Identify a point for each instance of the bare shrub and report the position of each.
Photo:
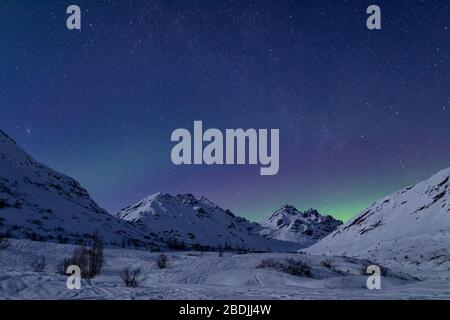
(269, 263)
(61, 267)
(4, 243)
(79, 258)
(176, 244)
(161, 261)
(326, 263)
(88, 259)
(290, 266)
(95, 255)
(38, 264)
(130, 277)
(297, 268)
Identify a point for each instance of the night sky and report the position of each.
(361, 113)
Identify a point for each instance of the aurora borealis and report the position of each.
(361, 113)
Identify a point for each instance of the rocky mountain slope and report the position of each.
(183, 220)
(306, 227)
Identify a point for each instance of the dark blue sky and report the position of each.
(361, 113)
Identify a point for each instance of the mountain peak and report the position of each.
(290, 224)
(187, 198)
(39, 203)
(185, 219)
(311, 212)
(416, 214)
(160, 196)
(288, 208)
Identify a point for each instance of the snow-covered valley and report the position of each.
(207, 275)
(46, 217)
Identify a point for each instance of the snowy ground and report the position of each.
(193, 275)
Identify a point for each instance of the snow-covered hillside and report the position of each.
(39, 203)
(306, 227)
(186, 220)
(411, 227)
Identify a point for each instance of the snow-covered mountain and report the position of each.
(412, 224)
(186, 220)
(306, 227)
(39, 203)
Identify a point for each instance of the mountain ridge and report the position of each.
(192, 221)
(305, 227)
(39, 203)
(411, 226)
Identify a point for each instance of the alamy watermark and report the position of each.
(74, 279)
(374, 20)
(374, 281)
(236, 146)
(73, 22)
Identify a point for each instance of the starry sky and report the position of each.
(361, 113)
